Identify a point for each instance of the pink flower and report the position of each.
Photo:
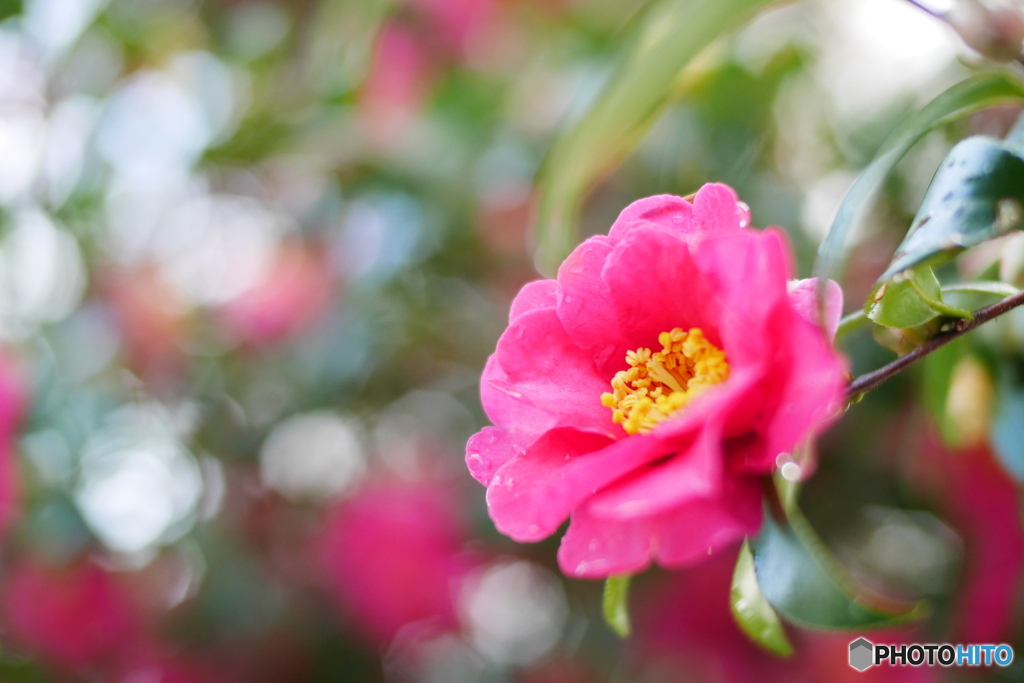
(290, 297)
(683, 627)
(393, 555)
(983, 504)
(13, 399)
(76, 617)
(646, 390)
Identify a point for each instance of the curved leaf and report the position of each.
(616, 604)
(669, 37)
(977, 194)
(801, 579)
(970, 95)
(906, 302)
(752, 613)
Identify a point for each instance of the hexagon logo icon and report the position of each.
(861, 654)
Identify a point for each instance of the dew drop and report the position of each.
(791, 471)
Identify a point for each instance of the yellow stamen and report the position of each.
(657, 385)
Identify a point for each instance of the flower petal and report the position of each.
(803, 294)
(693, 474)
(545, 370)
(533, 295)
(506, 408)
(656, 287)
(492, 447)
(664, 210)
(585, 305)
(693, 531)
(718, 211)
(812, 396)
(534, 492)
(595, 548)
(747, 272)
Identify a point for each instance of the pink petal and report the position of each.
(595, 548)
(812, 396)
(533, 493)
(545, 370)
(492, 447)
(747, 272)
(533, 295)
(656, 287)
(664, 210)
(585, 305)
(694, 473)
(717, 210)
(698, 529)
(803, 294)
(505, 408)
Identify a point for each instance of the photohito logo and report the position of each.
(865, 654)
(861, 654)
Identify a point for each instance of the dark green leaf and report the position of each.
(668, 38)
(970, 95)
(751, 611)
(977, 194)
(616, 604)
(807, 585)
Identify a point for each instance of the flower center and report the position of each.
(657, 385)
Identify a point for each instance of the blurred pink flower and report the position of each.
(395, 86)
(684, 623)
(393, 556)
(152, 319)
(456, 21)
(14, 395)
(647, 389)
(293, 293)
(75, 618)
(983, 504)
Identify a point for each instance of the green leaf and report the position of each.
(907, 301)
(668, 38)
(804, 583)
(976, 195)
(967, 96)
(616, 604)
(1000, 289)
(751, 611)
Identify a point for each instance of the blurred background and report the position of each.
(254, 255)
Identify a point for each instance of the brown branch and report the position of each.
(870, 380)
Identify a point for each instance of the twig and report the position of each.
(870, 380)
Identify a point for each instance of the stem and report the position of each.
(870, 380)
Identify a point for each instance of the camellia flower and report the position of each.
(393, 556)
(647, 389)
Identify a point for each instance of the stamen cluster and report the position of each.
(657, 385)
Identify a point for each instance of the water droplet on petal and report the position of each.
(743, 214)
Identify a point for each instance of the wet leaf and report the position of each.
(803, 581)
(752, 613)
(970, 95)
(976, 195)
